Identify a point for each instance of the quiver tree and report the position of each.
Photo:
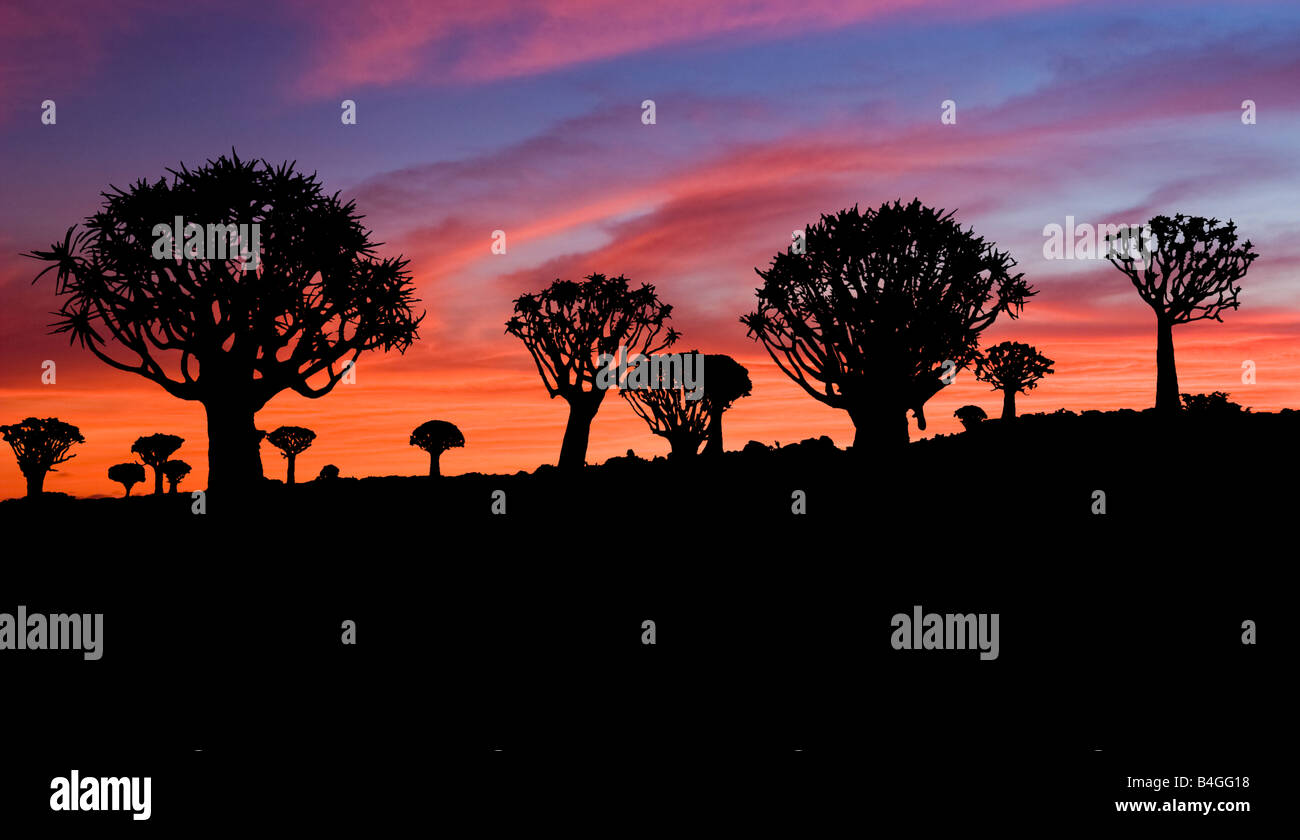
(128, 475)
(671, 411)
(1012, 368)
(726, 382)
(314, 298)
(970, 416)
(291, 440)
(39, 445)
(878, 307)
(175, 471)
(436, 437)
(1190, 275)
(574, 329)
(154, 450)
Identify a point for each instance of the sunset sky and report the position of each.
(526, 117)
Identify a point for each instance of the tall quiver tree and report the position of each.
(436, 437)
(39, 445)
(154, 450)
(128, 475)
(727, 380)
(570, 325)
(175, 472)
(313, 298)
(1188, 272)
(291, 441)
(671, 411)
(1012, 367)
(878, 307)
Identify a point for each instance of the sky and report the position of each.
(527, 118)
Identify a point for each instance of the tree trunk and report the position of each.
(171, 488)
(684, 446)
(714, 447)
(582, 410)
(289, 479)
(1009, 404)
(435, 468)
(35, 485)
(234, 450)
(157, 480)
(879, 428)
(1167, 398)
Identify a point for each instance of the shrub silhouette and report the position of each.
(1012, 367)
(569, 326)
(154, 450)
(436, 437)
(175, 471)
(970, 416)
(1215, 403)
(1192, 275)
(665, 405)
(128, 475)
(725, 381)
(291, 441)
(328, 472)
(39, 445)
(878, 307)
(316, 296)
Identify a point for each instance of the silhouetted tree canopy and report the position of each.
(436, 437)
(1216, 403)
(328, 473)
(970, 416)
(291, 441)
(664, 405)
(879, 307)
(205, 330)
(39, 445)
(1012, 368)
(175, 471)
(1190, 275)
(128, 474)
(154, 450)
(567, 328)
(726, 381)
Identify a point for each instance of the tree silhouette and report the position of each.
(154, 450)
(970, 416)
(567, 328)
(727, 381)
(436, 437)
(315, 298)
(128, 475)
(1012, 367)
(175, 471)
(662, 402)
(291, 440)
(1191, 275)
(1215, 403)
(878, 308)
(39, 445)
